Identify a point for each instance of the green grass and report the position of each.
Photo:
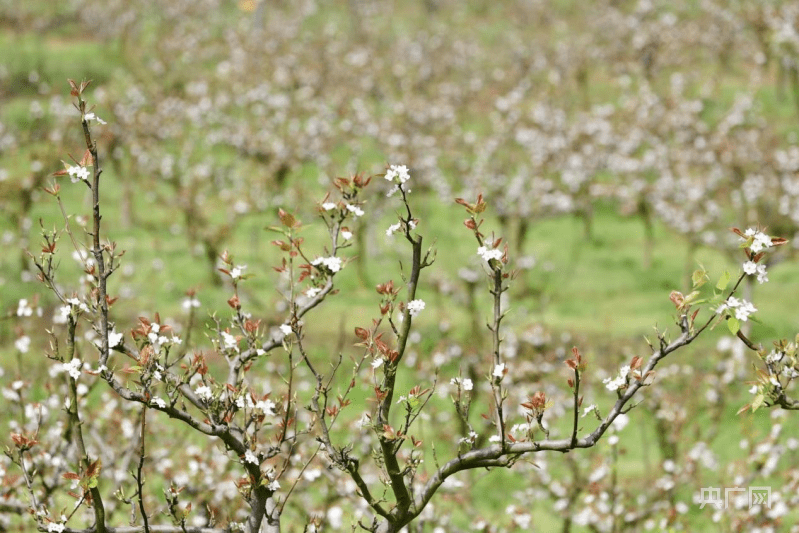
(595, 291)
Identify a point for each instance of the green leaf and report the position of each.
(723, 281)
(699, 277)
(733, 325)
(691, 298)
(758, 401)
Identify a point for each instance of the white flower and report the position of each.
(392, 229)
(23, 309)
(750, 267)
(397, 173)
(494, 438)
(114, 339)
(332, 263)
(620, 422)
(762, 276)
(250, 457)
(489, 254)
(328, 206)
(285, 329)
(499, 371)
(465, 383)
(589, 409)
(741, 307)
(415, 307)
(267, 407)
(78, 173)
(91, 116)
(204, 393)
(619, 381)
(158, 402)
(244, 401)
(237, 271)
(60, 317)
(274, 485)
(230, 341)
(23, 344)
(188, 303)
(312, 292)
(346, 234)
(53, 527)
(471, 438)
(73, 367)
(354, 209)
(376, 362)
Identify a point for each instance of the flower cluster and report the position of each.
(741, 308)
(620, 381)
(204, 392)
(759, 240)
(464, 383)
(398, 175)
(415, 307)
(78, 173)
(489, 253)
(332, 263)
(73, 368)
(750, 267)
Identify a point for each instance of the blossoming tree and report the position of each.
(272, 436)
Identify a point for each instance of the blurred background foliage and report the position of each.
(615, 141)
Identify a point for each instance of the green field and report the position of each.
(200, 151)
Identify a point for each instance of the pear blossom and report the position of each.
(762, 276)
(415, 307)
(250, 457)
(499, 371)
(285, 329)
(230, 342)
(23, 309)
(158, 402)
(78, 173)
(328, 206)
(204, 393)
(354, 209)
(312, 292)
(470, 439)
(23, 344)
(60, 316)
(613, 384)
(760, 240)
(91, 116)
(114, 339)
(741, 308)
(237, 271)
(73, 368)
(489, 254)
(393, 229)
(332, 263)
(396, 174)
(54, 527)
(346, 234)
(266, 407)
(464, 383)
(274, 485)
(190, 303)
